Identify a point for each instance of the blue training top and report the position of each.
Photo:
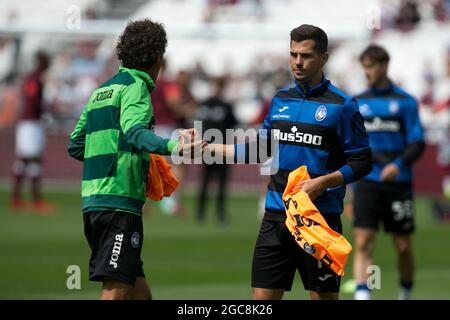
(319, 127)
(392, 123)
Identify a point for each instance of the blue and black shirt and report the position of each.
(395, 132)
(321, 128)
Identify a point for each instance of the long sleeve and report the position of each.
(355, 142)
(136, 113)
(414, 136)
(78, 138)
(263, 146)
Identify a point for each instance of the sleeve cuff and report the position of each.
(347, 173)
(399, 163)
(239, 153)
(171, 145)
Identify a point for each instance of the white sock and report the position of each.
(405, 294)
(362, 294)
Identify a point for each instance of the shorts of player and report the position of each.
(115, 239)
(30, 139)
(391, 204)
(277, 257)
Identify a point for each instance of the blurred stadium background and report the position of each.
(247, 41)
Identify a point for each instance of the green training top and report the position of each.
(114, 139)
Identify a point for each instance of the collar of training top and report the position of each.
(140, 74)
(306, 90)
(388, 89)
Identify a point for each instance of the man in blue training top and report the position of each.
(396, 139)
(317, 125)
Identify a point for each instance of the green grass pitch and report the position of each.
(184, 260)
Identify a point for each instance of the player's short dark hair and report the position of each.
(141, 44)
(309, 32)
(375, 53)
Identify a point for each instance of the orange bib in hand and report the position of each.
(309, 227)
(161, 181)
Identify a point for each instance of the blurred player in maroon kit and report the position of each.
(30, 139)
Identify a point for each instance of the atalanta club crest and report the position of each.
(135, 238)
(321, 113)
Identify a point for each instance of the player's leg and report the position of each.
(34, 173)
(222, 171)
(324, 295)
(141, 290)
(116, 290)
(400, 222)
(202, 198)
(267, 294)
(273, 265)
(18, 171)
(22, 146)
(405, 264)
(364, 239)
(368, 202)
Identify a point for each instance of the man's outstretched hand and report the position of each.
(190, 144)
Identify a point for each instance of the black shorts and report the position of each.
(277, 256)
(115, 239)
(392, 204)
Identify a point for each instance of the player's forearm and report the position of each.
(78, 138)
(145, 140)
(358, 165)
(331, 180)
(77, 143)
(76, 149)
(224, 151)
(412, 152)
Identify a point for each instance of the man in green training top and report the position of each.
(114, 138)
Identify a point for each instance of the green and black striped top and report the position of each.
(114, 139)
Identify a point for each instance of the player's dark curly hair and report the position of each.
(141, 44)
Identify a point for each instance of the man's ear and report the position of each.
(324, 57)
(385, 67)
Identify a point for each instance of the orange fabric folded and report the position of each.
(309, 228)
(161, 180)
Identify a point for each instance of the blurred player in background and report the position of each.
(30, 139)
(386, 195)
(113, 138)
(312, 108)
(215, 113)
